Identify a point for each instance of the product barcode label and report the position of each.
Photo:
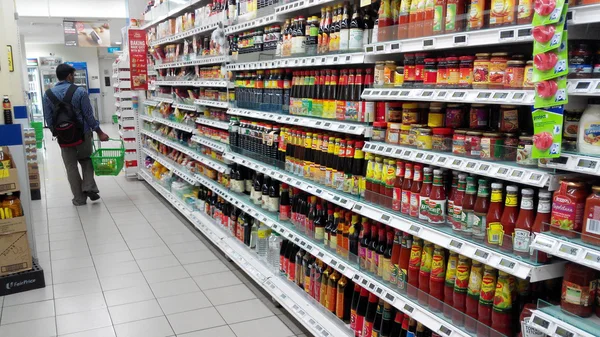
(593, 226)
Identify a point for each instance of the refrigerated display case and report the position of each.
(48, 71)
(81, 74)
(34, 93)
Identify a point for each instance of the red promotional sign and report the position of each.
(138, 59)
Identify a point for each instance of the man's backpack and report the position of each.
(66, 126)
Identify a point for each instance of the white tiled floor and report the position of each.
(127, 266)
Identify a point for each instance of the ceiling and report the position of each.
(44, 30)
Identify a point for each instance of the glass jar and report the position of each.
(458, 142)
(528, 76)
(404, 132)
(409, 70)
(473, 144)
(492, 146)
(479, 116)
(453, 70)
(524, 150)
(379, 131)
(410, 113)
(465, 80)
(509, 118)
(571, 124)
(481, 71)
(419, 69)
(498, 64)
(435, 117)
(442, 73)
(514, 74)
(424, 139)
(393, 133)
(454, 116)
(414, 132)
(430, 73)
(578, 283)
(580, 61)
(389, 72)
(395, 111)
(399, 77)
(378, 76)
(441, 140)
(511, 142)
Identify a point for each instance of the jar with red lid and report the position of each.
(479, 116)
(419, 69)
(492, 146)
(458, 142)
(580, 61)
(498, 64)
(578, 290)
(442, 139)
(481, 71)
(514, 74)
(430, 73)
(465, 80)
(473, 143)
(511, 142)
(454, 116)
(442, 73)
(453, 70)
(409, 70)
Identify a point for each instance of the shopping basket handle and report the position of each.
(110, 140)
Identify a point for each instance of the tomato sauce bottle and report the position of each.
(502, 308)
(437, 200)
(414, 264)
(403, 261)
(478, 220)
(403, 19)
(486, 300)
(459, 196)
(461, 285)
(397, 196)
(395, 259)
(468, 207)
(415, 190)
(406, 188)
(451, 193)
(522, 234)
(369, 177)
(568, 205)
(591, 222)
(425, 272)
(449, 281)
(541, 223)
(472, 299)
(436, 280)
(508, 219)
(424, 194)
(494, 214)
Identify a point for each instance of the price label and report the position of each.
(582, 86)
(441, 161)
(372, 286)
(457, 163)
(357, 208)
(459, 95)
(460, 40)
(592, 257)
(429, 158)
(442, 94)
(445, 331)
(379, 291)
(484, 95)
(540, 241)
(333, 263)
(408, 308)
(428, 43)
(455, 244)
(507, 264)
(415, 229)
(427, 93)
(365, 282)
(566, 249)
(309, 248)
(388, 150)
(482, 254)
(535, 177)
(502, 171)
(500, 96)
(419, 156)
(471, 165)
(390, 298)
(484, 168)
(586, 165)
(404, 93)
(518, 96)
(384, 218)
(516, 174)
(356, 278)
(398, 152)
(407, 153)
(563, 332)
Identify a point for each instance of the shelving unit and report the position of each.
(547, 175)
(127, 114)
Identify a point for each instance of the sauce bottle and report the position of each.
(449, 284)
(377, 322)
(494, 214)
(542, 219)
(364, 244)
(354, 306)
(332, 288)
(361, 311)
(395, 258)
(437, 200)
(369, 320)
(324, 285)
(406, 188)
(397, 324)
(387, 320)
(478, 219)
(439, 17)
(568, 205)
(508, 219)
(428, 18)
(455, 16)
(424, 194)
(414, 264)
(468, 207)
(380, 251)
(453, 188)
(404, 260)
(436, 280)
(486, 300)
(372, 251)
(459, 196)
(461, 285)
(522, 234)
(397, 196)
(502, 308)
(472, 299)
(387, 255)
(415, 190)
(425, 272)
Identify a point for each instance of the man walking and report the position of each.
(69, 115)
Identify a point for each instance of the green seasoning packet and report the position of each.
(547, 132)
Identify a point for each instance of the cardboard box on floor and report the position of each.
(9, 178)
(15, 255)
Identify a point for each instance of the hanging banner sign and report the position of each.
(138, 59)
(86, 34)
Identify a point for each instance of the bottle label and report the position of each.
(457, 217)
(360, 320)
(356, 39)
(451, 17)
(285, 212)
(414, 205)
(476, 221)
(402, 273)
(437, 211)
(438, 269)
(424, 208)
(319, 233)
(333, 241)
(273, 204)
(521, 240)
(393, 273)
(503, 297)
(488, 288)
(406, 201)
(379, 265)
(577, 294)
(367, 329)
(567, 213)
(344, 39)
(495, 233)
(462, 278)
(362, 254)
(353, 319)
(438, 18)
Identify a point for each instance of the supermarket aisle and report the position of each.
(128, 267)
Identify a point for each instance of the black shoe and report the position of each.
(92, 195)
(78, 203)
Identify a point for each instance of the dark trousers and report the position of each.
(80, 154)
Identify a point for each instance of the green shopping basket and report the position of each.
(109, 161)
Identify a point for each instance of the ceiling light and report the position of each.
(118, 43)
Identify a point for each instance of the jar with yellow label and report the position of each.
(453, 71)
(378, 76)
(410, 113)
(414, 133)
(481, 71)
(404, 133)
(435, 117)
(424, 139)
(399, 77)
(379, 131)
(528, 76)
(498, 64)
(389, 73)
